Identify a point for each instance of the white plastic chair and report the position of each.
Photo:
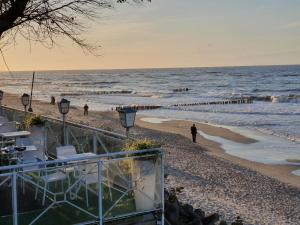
(62, 152)
(51, 175)
(65, 151)
(27, 157)
(89, 175)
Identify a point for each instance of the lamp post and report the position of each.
(1, 97)
(64, 106)
(25, 101)
(127, 118)
(30, 109)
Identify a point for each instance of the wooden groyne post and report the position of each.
(225, 102)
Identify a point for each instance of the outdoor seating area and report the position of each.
(83, 181)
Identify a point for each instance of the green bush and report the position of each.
(29, 121)
(26, 123)
(141, 144)
(37, 120)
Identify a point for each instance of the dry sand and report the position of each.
(212, 180)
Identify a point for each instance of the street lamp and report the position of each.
(64, 106)
(25, 100)
(1, 97)
(127, 117)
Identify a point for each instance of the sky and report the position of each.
(176, 33)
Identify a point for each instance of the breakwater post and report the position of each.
(151, 107)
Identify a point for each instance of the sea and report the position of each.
(273, 117)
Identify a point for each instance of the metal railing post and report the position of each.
(94, 143)
(162, 189)
(67, 141)
(46, 140)
(14, 198)
(100, 202)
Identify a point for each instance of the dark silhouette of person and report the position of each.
(194, 132)
(86, 110)
(52, 100)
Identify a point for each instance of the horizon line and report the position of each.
(150, 68)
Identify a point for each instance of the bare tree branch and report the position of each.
(45, 20)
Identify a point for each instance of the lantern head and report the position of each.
(63, 106)
(127, 117)
(25, 99)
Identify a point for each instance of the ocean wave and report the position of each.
(96, 93)
(286, 136)
(276, 90)
(289, 98)
(292, 98)
(290, 75)
(218, 110)
(82, 83)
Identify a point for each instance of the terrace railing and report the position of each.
(89, 190)
(84, 138)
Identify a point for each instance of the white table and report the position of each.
(28, 148)
(76, 156)
(14, 134)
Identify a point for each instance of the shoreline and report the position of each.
(210, 181)
(282, 172)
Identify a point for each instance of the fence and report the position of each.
(108, 186)
(84, 138)
(88, 190)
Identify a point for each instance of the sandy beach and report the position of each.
(212, 179)
(280, 172)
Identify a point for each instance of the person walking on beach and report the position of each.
(86, 110)
(52, 100)
(194, 132)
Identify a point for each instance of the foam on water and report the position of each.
(296, 172)
(268, 149)
(154, 120)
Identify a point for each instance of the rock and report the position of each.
(238, 221)
(200, 213)
(188, 216)
(172, 207)
(179, 189)
(211, 219)
(222, 222)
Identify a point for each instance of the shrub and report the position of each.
(37, 120)
(30, 120)
(26, 123)
(141, 144)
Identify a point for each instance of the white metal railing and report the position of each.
(99, 188)
(83, 137)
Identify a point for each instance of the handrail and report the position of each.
(72, 124)
(84, 158)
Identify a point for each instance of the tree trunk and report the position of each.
(8, 17)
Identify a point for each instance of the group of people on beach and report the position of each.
(194, 130)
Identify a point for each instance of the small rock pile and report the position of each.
(177, 213)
